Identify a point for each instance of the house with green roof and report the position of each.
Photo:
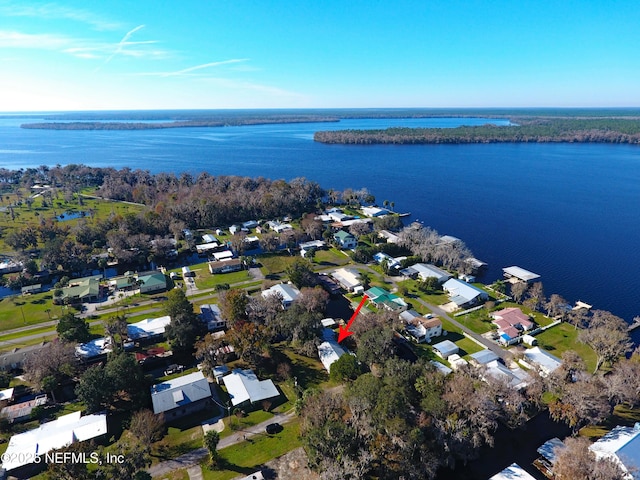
(85, 289)
(345, 239)
(383, 298)
(151, 282)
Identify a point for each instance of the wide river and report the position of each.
(569, 212)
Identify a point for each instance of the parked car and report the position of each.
(274, 428)
(171, 369)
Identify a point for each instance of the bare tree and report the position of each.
(577, 462)
(147, 427)
(535, 297)
(623, 383)
(313, 299)
(518, 290)
(608, 336)
(55, 359)
(556, 306)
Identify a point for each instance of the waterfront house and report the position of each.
(431, 271)
(348, 278)
(329, 351)
(375, 211)
(621, 445)
(181, 396)
(546, 362)
(85, 289)
(388, 236)
(226, 265)
(511, 322)
(151, 282)
(513, 472)
(463, 294)
(288, 293)
(345, 240)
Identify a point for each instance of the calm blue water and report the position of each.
(567, 212)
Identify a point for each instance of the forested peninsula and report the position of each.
(523, 130)
(143, 125)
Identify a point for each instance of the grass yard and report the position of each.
(275, 264)
(330, 258)
(18, 311)
(563, 337)
(247, 457)
(182, 436)
(477, 321)
(205, 280)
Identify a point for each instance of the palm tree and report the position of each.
(365, 279)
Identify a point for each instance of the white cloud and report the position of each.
(52, 11)
(40, 41)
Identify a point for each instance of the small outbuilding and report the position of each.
(445, 348)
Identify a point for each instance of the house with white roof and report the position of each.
(542, 359)
(374, 211)
(148, 329)
(181, 396)
(329, 351)
(94, 348)
(463, 294)
(622, 445)
(243, 386)
(431, 271)
(348, 278)
(513, 472)
(24, 448)
(288, 293)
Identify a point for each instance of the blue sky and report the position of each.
(143, 54)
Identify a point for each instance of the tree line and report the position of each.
(532, 130)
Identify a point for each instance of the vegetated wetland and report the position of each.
(563, 210)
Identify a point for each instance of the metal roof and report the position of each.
(24, 447)
(513, 472)
(446, 348)
(484, 356)
(520, 273)
(243, 385)
(179, 391)
(149, 327)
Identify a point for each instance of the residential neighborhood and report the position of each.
(240, 332)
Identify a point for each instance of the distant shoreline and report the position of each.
(93, 125)
(524, 130)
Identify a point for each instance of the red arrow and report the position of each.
(344, 331)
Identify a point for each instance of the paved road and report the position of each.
(194, 457)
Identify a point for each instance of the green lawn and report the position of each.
(205, 280)
(330, 258)
(276, 263)
(563, 337)
(477, 321)
(249, 456)
(18, 311)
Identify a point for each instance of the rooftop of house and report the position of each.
(288, 292)
(24, 447)
(513, 316)
(243, 385)
(179, 391)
